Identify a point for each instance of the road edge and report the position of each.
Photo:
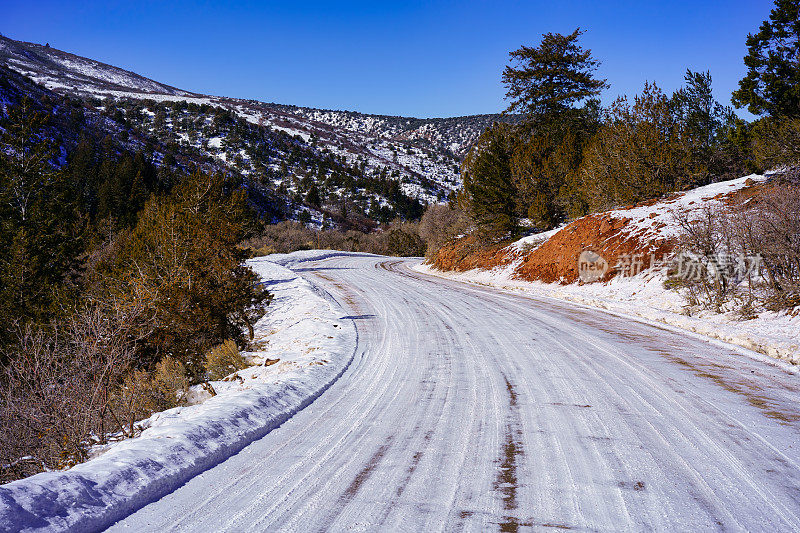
(96, 494)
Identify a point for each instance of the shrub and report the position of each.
(440, 224)
(773, 232)
(169, 386)
(261, 251)
(745, 254)
(288, 236)
(55, 393)
(776, 142)
(640, 152)
(143, 393)
(130, 402)
(404, 241)
(704, 239)
(223, 360)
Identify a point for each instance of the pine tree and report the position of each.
(40, 231)
(552, 77)
(772, 83)
(695, 106)
(488, 183)
(703, 120)
(546, 85)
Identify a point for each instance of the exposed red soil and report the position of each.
(557, 258)
(466, 253)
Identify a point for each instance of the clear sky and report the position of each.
(425, 59)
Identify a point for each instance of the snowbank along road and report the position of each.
(470, 409)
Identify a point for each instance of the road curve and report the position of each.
(471, 409)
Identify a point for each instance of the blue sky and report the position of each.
(421, 59)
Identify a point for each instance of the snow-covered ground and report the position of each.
(304, 328)
(658, 219)
(472, 409)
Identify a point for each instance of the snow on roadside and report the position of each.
(304, 328)
(644, 297)
(295, 258)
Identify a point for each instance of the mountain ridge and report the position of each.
(56, 69)
(328, 165)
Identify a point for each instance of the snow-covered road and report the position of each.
(466, 408)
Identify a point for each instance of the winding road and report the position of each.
(470, 409)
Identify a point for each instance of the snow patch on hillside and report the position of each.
(304, 328)
(658, 220)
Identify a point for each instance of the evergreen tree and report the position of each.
(703, 121)
(772, 83)
(695, 106)
(546, 84)
(82, 168)
(552, 77)
(488, 183)
(182, 262)
(39, 227)
(641, 152)
(545, 162)
(313, 196)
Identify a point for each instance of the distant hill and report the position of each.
(372, 166)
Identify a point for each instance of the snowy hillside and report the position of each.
(421, 155)
(449, 135)
(70, 73)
